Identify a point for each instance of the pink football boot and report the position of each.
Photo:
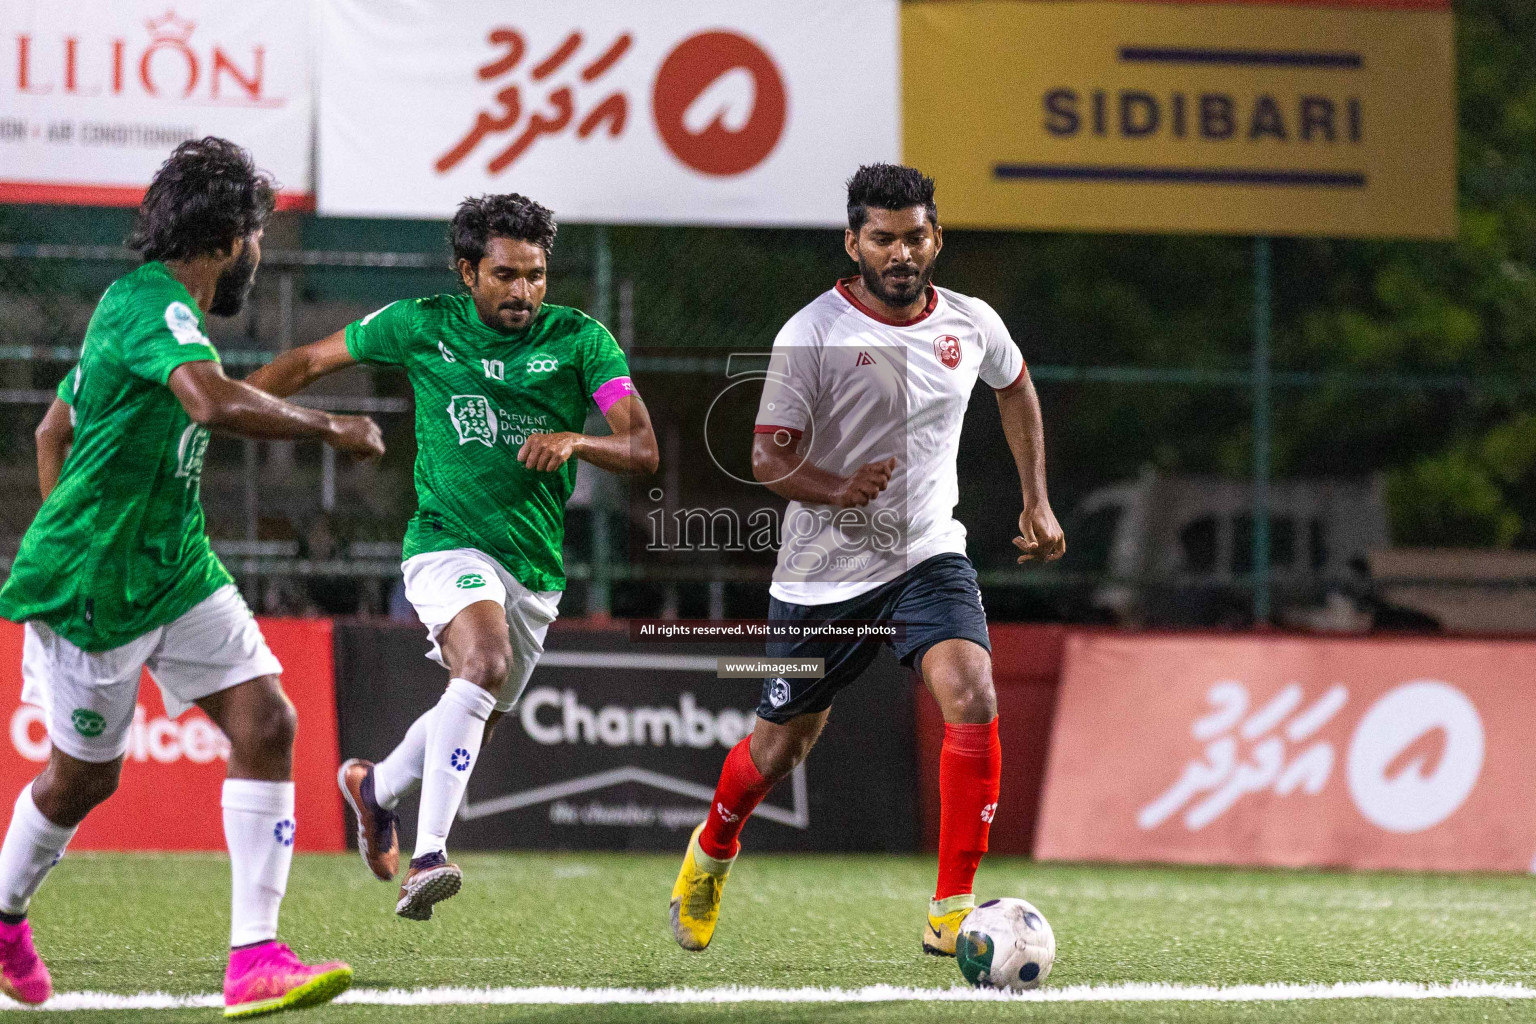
(23, 975)
(267, 978)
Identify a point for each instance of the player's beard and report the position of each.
(891, 293)
(234, 285)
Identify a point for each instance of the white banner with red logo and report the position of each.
(94, 94)
(661, 111)
(1368, 753)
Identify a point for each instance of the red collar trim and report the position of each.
(847, 293)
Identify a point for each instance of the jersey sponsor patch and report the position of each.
(543, 364)
(474, 419)
(183, 324)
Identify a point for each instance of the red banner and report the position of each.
(1400, 754)
(169, 796)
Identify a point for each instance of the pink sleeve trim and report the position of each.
(611, 392)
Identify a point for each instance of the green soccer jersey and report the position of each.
(66, 389)
(119, 547)
(479, 394)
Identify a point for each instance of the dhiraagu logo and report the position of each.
(469, 581)
(87, 722)
(539, 366)
(474, 419)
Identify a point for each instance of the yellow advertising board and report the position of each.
(1208, 117)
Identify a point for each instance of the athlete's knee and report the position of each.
(268, 731)
(487, 665)
(963, 686)
(65, 795)
(777, 752)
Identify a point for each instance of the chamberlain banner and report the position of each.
(1397, 754)
(661, 111)
(169, 795)
(94, 94)
(1284, 119)
(617, 745)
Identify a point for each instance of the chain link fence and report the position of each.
(1399, 415)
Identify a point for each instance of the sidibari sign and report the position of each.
(1410, 754)
(1296, 119)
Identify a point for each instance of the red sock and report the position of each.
(970, 766)
(741, 788)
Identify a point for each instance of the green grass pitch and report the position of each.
(133, 923)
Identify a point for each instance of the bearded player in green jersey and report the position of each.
(503, 382)
(116, 573)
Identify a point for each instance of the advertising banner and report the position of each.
(1362, 753)
(617, 745)
(94, 94)
(659, 111)
(172, 774)
(1334, 119)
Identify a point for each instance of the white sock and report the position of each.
(33, 845)
(259, 829)
(398, 775)
(453, 746)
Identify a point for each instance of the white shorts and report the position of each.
(90, 697)
(440, 584)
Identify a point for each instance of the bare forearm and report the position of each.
(297, 369)
(1024, 428)
(286, 375)
(51, 453)
(630, 453)
(55, 435)
(243, 410)
(787, 475)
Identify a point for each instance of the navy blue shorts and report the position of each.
(935, 600)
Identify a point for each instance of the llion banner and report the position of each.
(94, 94)
(1362, 753)
(1334, 118)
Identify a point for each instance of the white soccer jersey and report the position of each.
(854, 387)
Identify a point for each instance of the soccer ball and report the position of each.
(1005, 944)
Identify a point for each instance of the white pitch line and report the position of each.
(550, 995)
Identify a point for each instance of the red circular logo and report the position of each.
(719, 103)
(947, 348)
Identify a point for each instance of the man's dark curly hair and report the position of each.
(481, 218)
(888, 187)
(207, 195)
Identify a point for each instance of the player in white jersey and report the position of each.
(858, 426)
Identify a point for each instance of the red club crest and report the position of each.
(947, 348)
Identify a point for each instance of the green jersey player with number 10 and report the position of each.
(503, 382)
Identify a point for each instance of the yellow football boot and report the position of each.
(944, 919)
(696, 896)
